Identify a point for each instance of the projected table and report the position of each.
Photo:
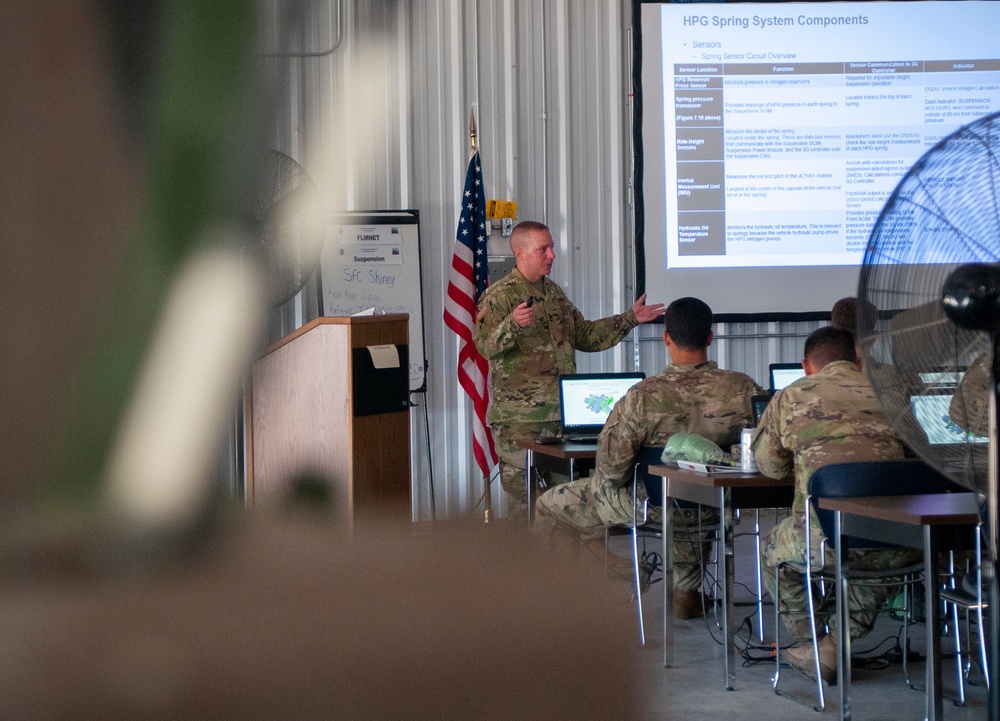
(786, 157)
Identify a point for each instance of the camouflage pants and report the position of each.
(786, 544)
(587, 507)
(512, 477)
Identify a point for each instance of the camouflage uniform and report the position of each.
(683, 399)
(970, 405)
(525, 363)
(829, 417)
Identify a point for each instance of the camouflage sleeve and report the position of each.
(620, 440)
(592, 335)
(604, 333)
(496, 331)
(773, 459)
(970, 405)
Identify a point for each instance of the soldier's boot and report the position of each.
(690, 604)
(801, 659)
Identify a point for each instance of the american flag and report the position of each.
(468, 279)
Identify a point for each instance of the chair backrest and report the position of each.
(873, 478)
(651, 455)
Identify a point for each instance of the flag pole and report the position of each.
(487, 492)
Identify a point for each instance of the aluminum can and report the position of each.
(747, 462)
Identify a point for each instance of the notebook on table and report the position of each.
(586, 400)
(782, 374)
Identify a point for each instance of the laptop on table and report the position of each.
(586, 400)
(783, 374)
(759, 405)
(931, 410)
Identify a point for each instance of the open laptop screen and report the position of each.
(931, 412)
(782, 374)
(586, 399)
(759, 404)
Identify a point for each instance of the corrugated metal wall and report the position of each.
(381, 121)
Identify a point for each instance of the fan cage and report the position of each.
(280, 208)
(944, 213)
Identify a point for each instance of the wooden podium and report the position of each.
(320, 405)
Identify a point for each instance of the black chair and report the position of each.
(845, 480)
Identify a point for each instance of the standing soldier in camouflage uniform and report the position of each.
(529, 331)
(830, 416)
(691, 396)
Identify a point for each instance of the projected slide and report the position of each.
(787, 126)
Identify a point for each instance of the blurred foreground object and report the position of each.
(289, 619)
(69, 188)
(115, 178)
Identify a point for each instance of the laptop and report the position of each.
(782, 374)
(942, 379)
(586, 400)
(758, 404)
(932, 413)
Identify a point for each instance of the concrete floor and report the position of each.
(694, 687)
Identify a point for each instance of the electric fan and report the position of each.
(943, 215)
(281, 209)
(929, 315)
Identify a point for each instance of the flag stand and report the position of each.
(487, 490)
(467, 280)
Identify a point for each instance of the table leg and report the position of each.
(760, 589)
(843, 619)
(931, 606)
(668, 580)
(728, 610)
(529, 479)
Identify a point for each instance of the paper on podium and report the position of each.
(384, 356)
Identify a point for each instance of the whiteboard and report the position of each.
(371, 263)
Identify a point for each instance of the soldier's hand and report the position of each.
(645, 313)
(523, 315)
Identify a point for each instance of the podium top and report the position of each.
(336, 320)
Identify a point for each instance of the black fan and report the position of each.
(943, 215)
(931, 283)
(281, 206)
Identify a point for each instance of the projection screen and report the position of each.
(773, 133)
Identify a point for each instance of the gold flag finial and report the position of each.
(472, 129)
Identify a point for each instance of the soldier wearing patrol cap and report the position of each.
(829, 416)
(529, 331)
(691, 396)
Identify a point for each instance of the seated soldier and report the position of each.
(829, 416)
(691, 396)
(855, 317)
(969, 406)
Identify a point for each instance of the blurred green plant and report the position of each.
(202, 114)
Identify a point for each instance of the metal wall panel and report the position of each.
(382, 122)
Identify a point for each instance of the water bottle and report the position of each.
(747, 462)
